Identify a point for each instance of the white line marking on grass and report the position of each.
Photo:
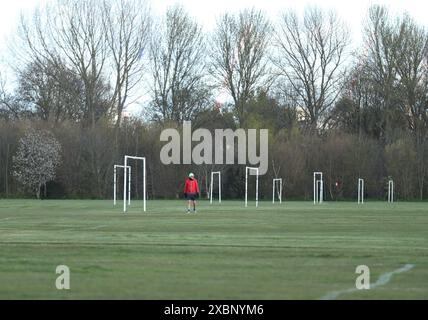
(6, 219)
(383, 279)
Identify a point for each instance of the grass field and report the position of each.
(291, 251)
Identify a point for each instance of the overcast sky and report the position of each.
(352, 11)
(205, 11)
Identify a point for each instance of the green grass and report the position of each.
(291, 251)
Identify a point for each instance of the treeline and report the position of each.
(80, 64)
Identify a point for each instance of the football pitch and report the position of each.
(296, 250)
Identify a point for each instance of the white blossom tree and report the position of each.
(36, 160)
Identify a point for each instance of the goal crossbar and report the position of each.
(274, 184)
(144, 180)
(126, 170)
(391, 191)
(247, 170)
(212, 186)
(318, 187)
(360, 191)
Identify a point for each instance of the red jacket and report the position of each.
(191, 186)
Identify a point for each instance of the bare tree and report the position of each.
(72, 32)
(309, 56)
(239, 56)
(395, 61)
(102, 42)
(178, 73)
(378, 63)
(372, 98)
(50, 92)
(36, 160)
(9, 107)
(127, 27)
(410, 57)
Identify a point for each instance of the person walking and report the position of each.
(191, 192)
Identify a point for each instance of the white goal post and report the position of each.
(274, 186)
(144, 181)
(247, 170)
(318, 188)
(212, 186)
(360, 191)
(391, 191)
(127, 170)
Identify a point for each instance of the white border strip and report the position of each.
(383, 279)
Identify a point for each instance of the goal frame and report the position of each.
(247, 170)
(318, 188)
(360, 191)
(127, 170)
(391, 191)
(143, 159)
(213, 173)
(274, 183)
